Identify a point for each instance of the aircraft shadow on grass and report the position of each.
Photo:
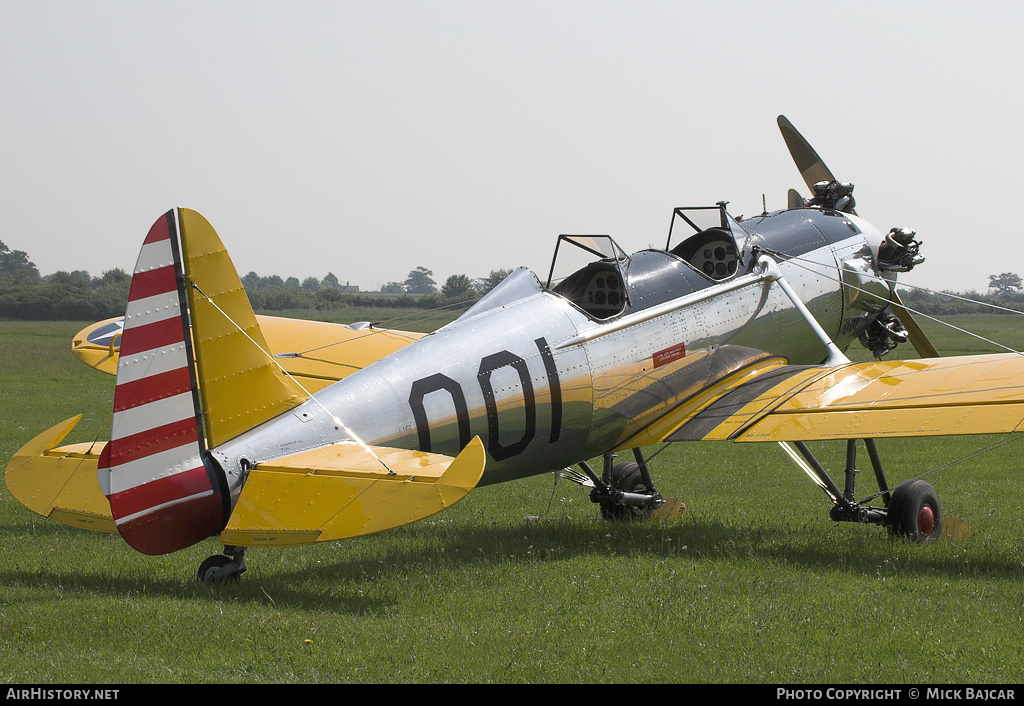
(322, 579)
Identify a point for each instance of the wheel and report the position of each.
(210, 568)
(915, 512)
(627, 477)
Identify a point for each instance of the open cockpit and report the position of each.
(597, 276)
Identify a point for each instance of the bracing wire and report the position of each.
(966, 457)
(802, 263)
(826, 274)
(298, 384)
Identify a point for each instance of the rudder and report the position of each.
(175, 383)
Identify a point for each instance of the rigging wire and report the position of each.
(109, 420)
(966, 457)
(797, 260)
(311, 396)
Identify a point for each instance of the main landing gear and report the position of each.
(911, 510)
(626, 491)
(623, 490)
(220, 568)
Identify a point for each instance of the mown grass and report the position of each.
(522, 582)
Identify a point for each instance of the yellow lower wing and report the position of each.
(900, 398)
(342, 491)
(317, 353)
(934, 397)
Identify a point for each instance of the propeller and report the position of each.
(830, 193)
(918, 338)
(811, 166)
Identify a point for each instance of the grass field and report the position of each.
(523, 582)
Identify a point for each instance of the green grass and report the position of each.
(522, 582)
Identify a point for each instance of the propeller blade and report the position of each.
(813, 171)
(810, 165)
(918, 338)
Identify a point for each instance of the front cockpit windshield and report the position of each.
(707, 239)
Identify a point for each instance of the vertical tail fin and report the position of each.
(240, 385)
(187, 379)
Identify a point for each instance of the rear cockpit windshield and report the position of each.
(589, 271)
(706, 238)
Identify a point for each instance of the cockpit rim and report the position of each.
(612, 258)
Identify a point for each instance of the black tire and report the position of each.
(210, 567)
(914, 512)
(626, 477)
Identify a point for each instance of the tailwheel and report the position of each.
(220, 568)
(914, 512)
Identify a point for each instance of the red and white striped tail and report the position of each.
(162, 495)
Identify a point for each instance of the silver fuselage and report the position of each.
(546, 385)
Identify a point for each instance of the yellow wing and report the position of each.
(900, 398)
(317, 353)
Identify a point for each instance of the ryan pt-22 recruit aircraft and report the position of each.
(275, 432)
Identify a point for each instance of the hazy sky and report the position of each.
(367, 138)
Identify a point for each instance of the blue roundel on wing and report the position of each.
(105, 334)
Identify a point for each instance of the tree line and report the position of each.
(417, 291)
(25, 294)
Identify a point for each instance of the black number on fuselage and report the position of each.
(498, 451)
(487, 366)
(556, 389)
(423, 387)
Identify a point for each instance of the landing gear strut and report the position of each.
(220, 568)
(624, 490)
(911, 509)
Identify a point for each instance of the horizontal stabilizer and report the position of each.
(60, 482)
(342, 491)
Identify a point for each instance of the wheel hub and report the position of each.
(926, 519)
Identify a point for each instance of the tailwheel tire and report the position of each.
(209, 570)
(914, 512)
(626, 477)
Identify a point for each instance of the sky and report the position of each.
(370, 138)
